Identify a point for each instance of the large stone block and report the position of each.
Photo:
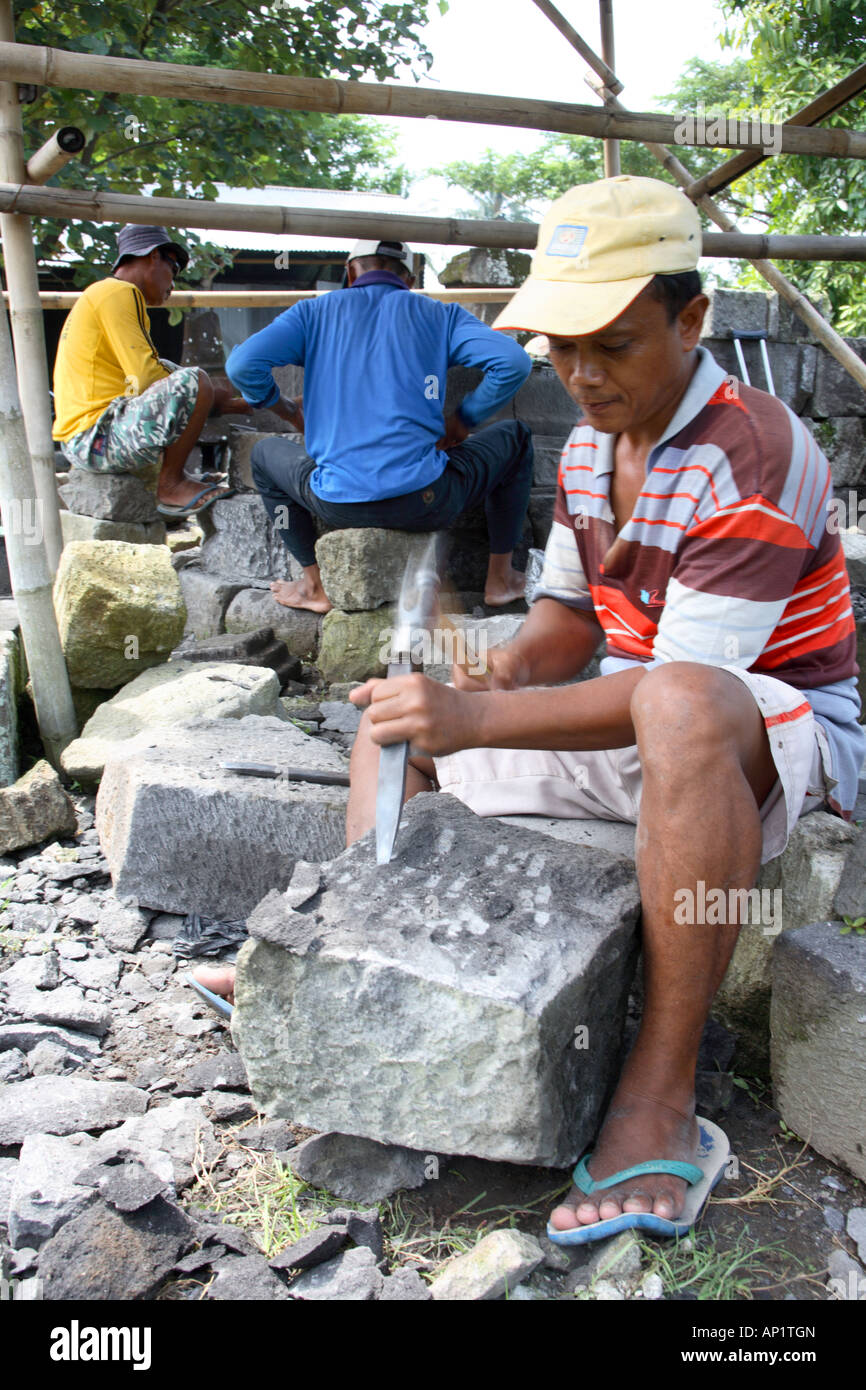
(252, 609)
(182, 835)
(363, 568)
(541, 505)
(243, 544)
(837, 393)
(10, 688)
(170, 694)
(548, 455)
(854, 547)
(207, 597)
(786, 326)
(110, 496)
(467, 998)
(87, 528)
(735, 311)
(843, 440)
(800, 887)
(793, 366)
(242, 441)
(544, 405)
(818, 1058)
(34, 808)
(119, 610)
(355, 645)
(460, 382)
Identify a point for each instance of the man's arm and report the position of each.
(279, 344)
(504, 363)
(554, 644)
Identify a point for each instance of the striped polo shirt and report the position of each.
(727, 558)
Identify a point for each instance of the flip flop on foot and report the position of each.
(196, 504)
(702, 1176)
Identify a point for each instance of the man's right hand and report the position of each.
(505, 669)
(290, 410)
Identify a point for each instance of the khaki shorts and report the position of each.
(606, 784)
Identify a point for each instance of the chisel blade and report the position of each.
(393, 762)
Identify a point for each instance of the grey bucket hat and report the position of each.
(140, 241)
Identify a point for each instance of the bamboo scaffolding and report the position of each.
(598, 65)
(610, 148)
(57, 151)
(274, 299)
(823, 331)
(26, 315)
(54, 67)
(824, 105)
(77, 204)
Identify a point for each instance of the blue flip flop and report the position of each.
(189, 508)
(702, 1177)
(216, 1001)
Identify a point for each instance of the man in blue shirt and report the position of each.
(376, 359)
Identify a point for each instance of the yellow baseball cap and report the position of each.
(599, 246)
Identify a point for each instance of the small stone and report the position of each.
(404, 1286)
(128, 1187)
(313, 1249)
(122, 927)
(364, 1227)
(606, 1291)
(71, 950)
(33, 808)
(652, 1287)
(227, 1106)
(497, 1264)
(223, 1072)
(834, 1220)
(64, 1105)
(268, 1138)
(50, 1059)
(352, 1277)
(361, 1170)
(13, 1065)
(105, 1255)
(245, 1277)
(856, 1227)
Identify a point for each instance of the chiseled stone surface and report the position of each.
(162, 698)
(444, 990)
(363, 567)
(181, 834)
(818, 1058)
(64, 1105)
(34, 808)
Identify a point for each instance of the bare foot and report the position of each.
(636, 1130)
(219, 979)
(498, 592)
(181, 494)
(297, 593)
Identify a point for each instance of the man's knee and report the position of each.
(680, 702)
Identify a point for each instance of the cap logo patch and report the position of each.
(567, 240)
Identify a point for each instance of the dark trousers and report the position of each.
(493, 466)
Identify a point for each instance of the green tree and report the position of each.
(181, 148)
(518, 186)
(796, 51)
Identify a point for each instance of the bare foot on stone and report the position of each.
(219, 979)
(636, 1130)
(297, 593)
(500, 592)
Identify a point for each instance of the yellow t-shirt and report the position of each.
(105, 351)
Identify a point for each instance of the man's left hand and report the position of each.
(433, 718)
(455, 433)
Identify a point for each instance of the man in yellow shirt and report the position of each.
(119, 407)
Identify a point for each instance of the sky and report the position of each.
(508, 47)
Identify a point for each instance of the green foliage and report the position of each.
(857, 925)
(181, 148)
(797, 51)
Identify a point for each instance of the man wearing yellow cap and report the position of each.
(690, 534)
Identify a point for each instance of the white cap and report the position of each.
(396, 250)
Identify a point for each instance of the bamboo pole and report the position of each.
(824, 105)
(59, 148)
(823, 331)
(598, 65)
(26, 314)
(31, 577)
(53, 67)
(610, 148)
(197, 212)
(275, 299)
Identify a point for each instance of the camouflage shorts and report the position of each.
(132, 433)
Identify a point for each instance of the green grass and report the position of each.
(697, 1265)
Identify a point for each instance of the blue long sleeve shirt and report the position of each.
(375, 359)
